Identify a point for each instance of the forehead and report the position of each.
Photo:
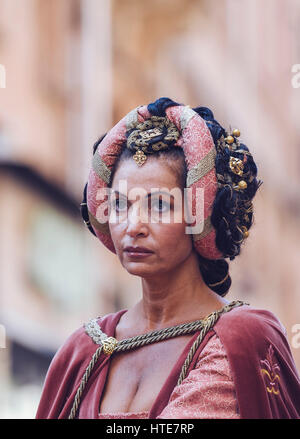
(154, 173)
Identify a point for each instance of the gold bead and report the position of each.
(236, 132)
(245, 231)
(229, 140)
(242, 184)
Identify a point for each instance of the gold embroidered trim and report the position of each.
(146, 132)
(101, 168)
(99, 337)
(132, 118)
(270, 372)
(102, 227)
(93, 330)
(206, 230)
(202, 168)
(186, 115)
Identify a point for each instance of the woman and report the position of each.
(170, 192)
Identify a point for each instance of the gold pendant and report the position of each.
(140, 157)
(109, 345)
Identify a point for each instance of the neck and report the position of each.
(176, 297)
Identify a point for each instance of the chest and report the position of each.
(135, 377)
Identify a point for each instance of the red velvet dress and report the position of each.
(242, 369)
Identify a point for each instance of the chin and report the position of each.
(139, 269)
(144, 270)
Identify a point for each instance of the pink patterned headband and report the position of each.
(200, 153)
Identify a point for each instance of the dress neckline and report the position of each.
(166, 388)
(178, 364)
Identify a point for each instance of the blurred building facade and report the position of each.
(73, 69)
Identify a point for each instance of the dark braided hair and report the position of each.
(232, 211)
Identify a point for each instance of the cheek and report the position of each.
(116, 233)
(173, 241)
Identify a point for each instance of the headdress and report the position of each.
(146, 133)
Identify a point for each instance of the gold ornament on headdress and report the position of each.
(230, 141)
(140, 157)
(236, 132)
(240, 186)
(236, 166)
(155, 134)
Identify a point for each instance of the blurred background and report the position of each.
(73, 68)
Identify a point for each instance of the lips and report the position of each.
(137, 250)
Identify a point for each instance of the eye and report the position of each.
(119, 204)
(160, 205)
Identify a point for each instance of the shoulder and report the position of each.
(261, 362)
(83, 342)
(74, 349)
(250, 319)
(245, 328)
(93, 329)
(77, 350)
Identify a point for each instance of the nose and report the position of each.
(136, 221)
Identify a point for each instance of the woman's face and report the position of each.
(140, 216)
